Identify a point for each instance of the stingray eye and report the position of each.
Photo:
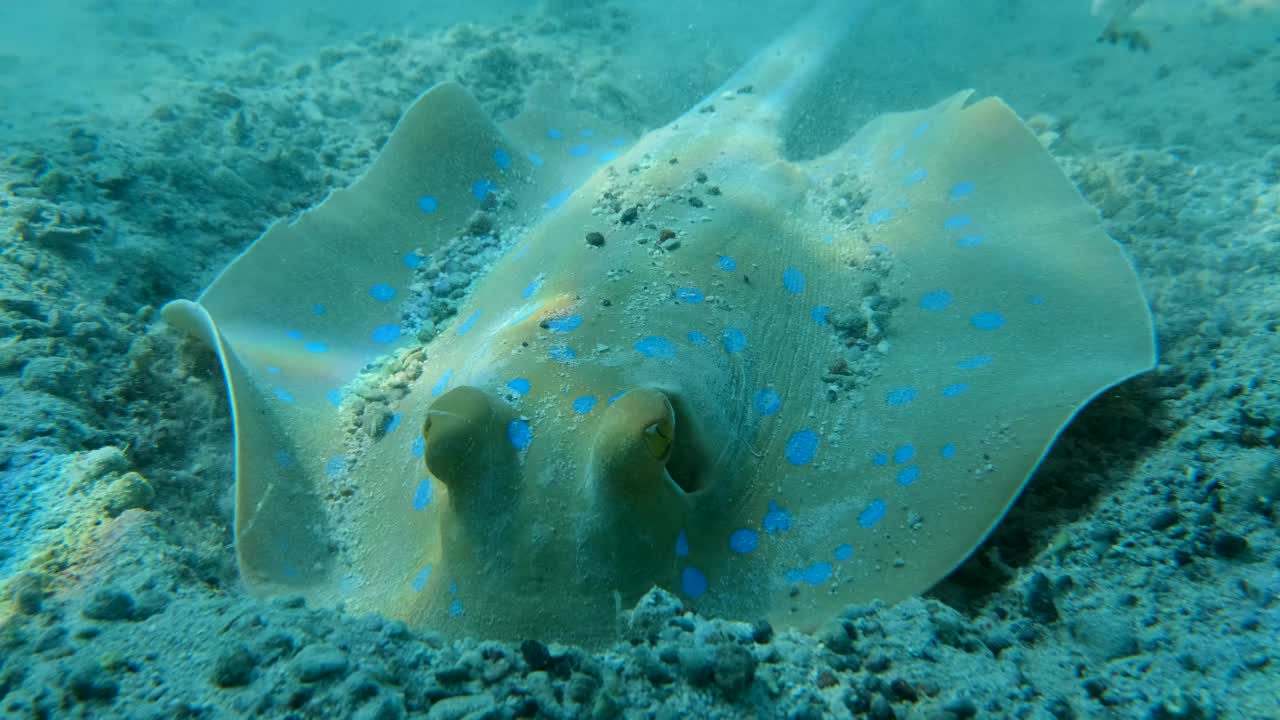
(657, 437)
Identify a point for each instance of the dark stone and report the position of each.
(89, 681)
(1165, 519)
(734, 670)
(880, 709)
(1039, 599)
(696, 202)
(961, 707)
(109, 604)
(595, 239)
(562, 666)
(838, 636)
(233, 667)
(700, 176)
(713, 190)
(453, 674)
(903, 690)
(761, 632)
(582, 688)
(319, 662)
(629, 215)
(1229, 545)
(879, 663)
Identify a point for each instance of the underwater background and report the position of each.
(145, 145)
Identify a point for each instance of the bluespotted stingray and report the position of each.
(772, 386)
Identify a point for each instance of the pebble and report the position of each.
(734, 670)
(881, 709)
(595, 239)
(961, 707)
(318, 662)
(1039, 599)
(232, 667)
(89, 681)
(535, 654)
(456, 708)
(109, 604)
(697, 663)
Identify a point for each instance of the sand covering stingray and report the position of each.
(826, 388)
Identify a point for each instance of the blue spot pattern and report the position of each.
(988, 321)
(776, 519)
(962, 190)
(793, 280)
(727, 263)
(767, 401)
(335, 465)
(689, 295)
(422, 495)
(393, 423)
(744, 540)
(801, 447)
(501, 159)
(455, 608)
(520, 434)
(320, 309)
(283, 395)
(468, 323)
(317, 347)
(419, 446)
(520, 385)
(975, 362)
(656, 346)
(935, 300)
(843, 552)
(955, 222)
(584, 404)
(908, 475)
(428, 203)
(882, 215)
(820, 313)
(565, 324)
(900, 396)
(872, 514)
(735, 340)
(561, 353)
(532, 287)
(480, 189)
(334, 397)
(382, 292)
(384, 334)
(880, 459)
(682, 544)
(955, 389)
(948, 451)
(558, 199)
(970, 241)
(412, 260)
(692, 582)
(580, 150)
(441, 384)
(915, 176)
(420, 580)
(817, 573)
(904, 453)
(697, 338)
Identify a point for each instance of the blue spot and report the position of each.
(580, 150)
(682, 544)
(481, 188)
(793, 576)
(987, 320)
(801, 447)
(962, 189)
(692, 582)
(420, 580)
(743, 540)
(1036, 299)
(455, 608)
(898, 152)
(319, 309)
(915, 176)
(734, 340)
(608, 156)
(422, 495)
(793, 280)
(393, 423)
(880, 216)
(872, 514)
(554, 134)
(519, 433)
(428, 203)
(880, 459)
(727, 263)
(442, 383)
(532, 287)
(558, 199)
(955, 389)
(536, 160)
(317, 347)
(335, 465)
(501, 159)
(900, 396)
(908, 475)
(615, 396)
(382, 292)
(974, 362)
(697, 338)
(767, 401)
(776, 520)
(656, 346)
(334, 397)
(283, 459)
(948, 451)
(453, 588)
(273, 370)
(817, 573)
(843, 552)
(904, 453)
(418, 446)
(619, 141)
(920, 129)
(520, 385)
(955, 222)
(969, 241)
(584, 404)
(587, 132)
(935, 300)
(819, 314)
(293, 334)
(283, 395)
(412, 260)
(561, 353)
(523, 313)
(689, 295)
(565, 324)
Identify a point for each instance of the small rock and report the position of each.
(109, 604)
(89, 681)
(233, 667)
(881, 709)
(1039, 599)
(456, 708)
(1229, 545)
(318, 662)
(629, 215)
(961, 707)
(734, 670)
(535, 654)
(382, 707)
(582, 687)
(697, 664)
(595, 239)
(696, 201)
(761, 632)
(129, 491)
(453, 674)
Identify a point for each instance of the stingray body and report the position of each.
(773, 387)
